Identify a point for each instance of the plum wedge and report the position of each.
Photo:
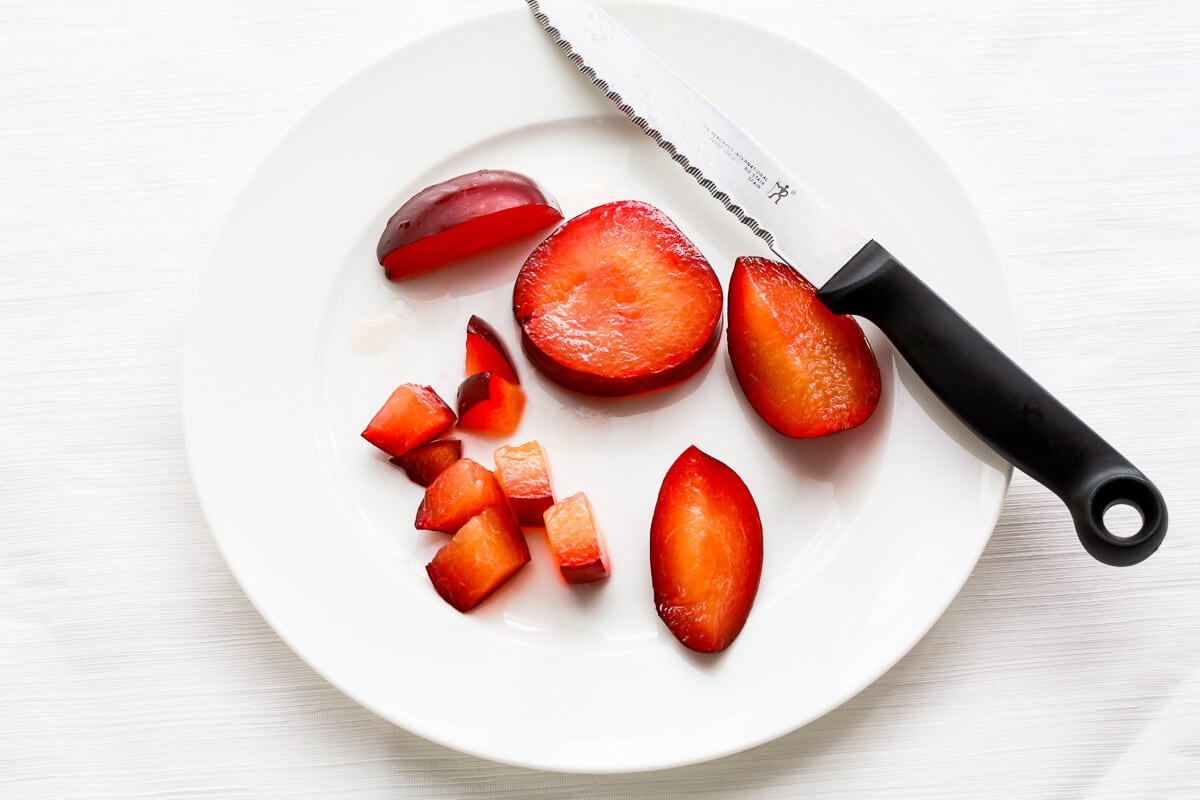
(522, 473)
(618, 301)
(806, 371)
(412, 416)
(460, 492)
(489, 404)
(461, 217)
(485, 552)
(486, 351)
(706, 552)
(575, 541)
(423, 464)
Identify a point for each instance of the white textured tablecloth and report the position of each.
(131, 665)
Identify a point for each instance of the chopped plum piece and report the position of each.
(463, 490)
(485, 552)
(412, 416)
(575, 540)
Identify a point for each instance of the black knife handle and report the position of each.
(1005, 407)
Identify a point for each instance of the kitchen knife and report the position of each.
(994, 397)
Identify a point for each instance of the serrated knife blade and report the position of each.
(993, 396)
(728, 162)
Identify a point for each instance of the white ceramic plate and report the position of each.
(297, 339)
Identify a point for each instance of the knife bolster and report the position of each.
(857, 283)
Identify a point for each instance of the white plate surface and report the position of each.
(296, 340)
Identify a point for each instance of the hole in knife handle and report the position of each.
(1125, 508)
(1123, 520)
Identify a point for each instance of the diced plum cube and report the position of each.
(489, 404)
(525, 479)
(463, 490)
(423, 464)
(412, 416)
(575, 541)
(485, 552)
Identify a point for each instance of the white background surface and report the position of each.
(131, 664)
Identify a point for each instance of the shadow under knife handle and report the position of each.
(1001, 404)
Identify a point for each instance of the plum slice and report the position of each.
(485, 552)
(463, 489)
(524, 476)
(575, 541)
(618, 301)
(423, 464)
(486, 351)
(806, 371)
(706, 552)
(412, 416)
(489, 404)
(461, 217)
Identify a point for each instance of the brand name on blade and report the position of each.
(756, 177)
